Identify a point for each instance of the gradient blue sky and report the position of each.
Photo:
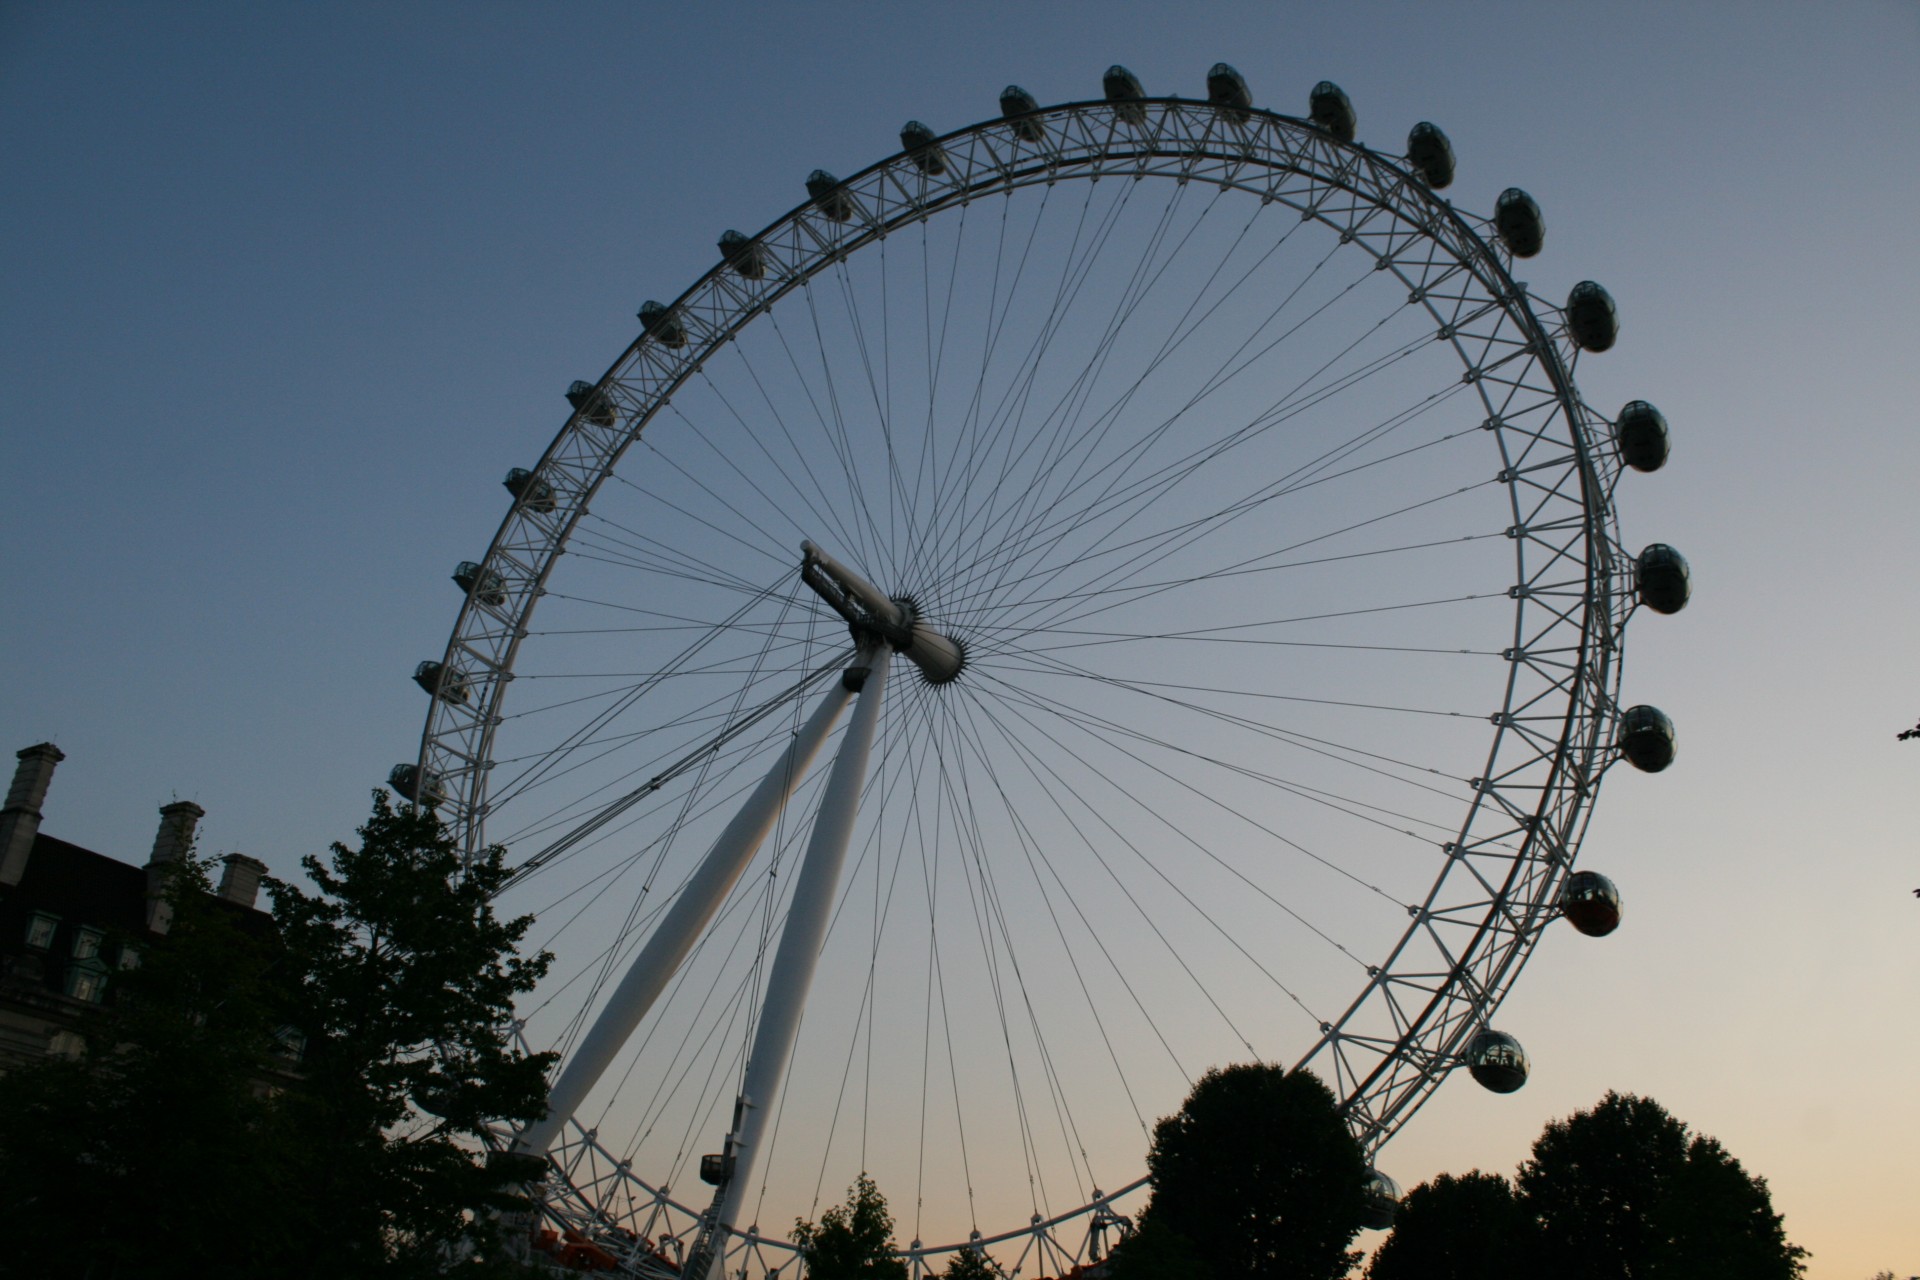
(285, 289)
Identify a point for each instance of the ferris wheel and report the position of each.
(1110, 591)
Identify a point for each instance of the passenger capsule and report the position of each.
(1431, 155)
(1497, 1061)
(593, 408)
(1518, 220)
(1591, 318)
(450, 683)
(423, 787)
(660, 324)
(928, 156)
(1383, 1201)
(529, 490)
(1641, 436)
(1123, 90)
(747, 257)
(483, 585)
(1015, 104)
(1663, 578)
(829, 196)
(1328, 107)
(1227, 90)
(1647, 738)
(1591, 903)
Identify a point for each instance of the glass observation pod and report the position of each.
(423, 788)
(1123, 90)
(483, 585)
(593, 408)
(1497, 1061)
(1383, 1201)
(1591, 903)
(1662, 577)
(1641, 436)
(529, 490)
(1329, 107)
(1647, 739)
(1015, 104)
(437, 677)
(1519, 223)
(1431, 155)
(660, 324)
(916, 140)
(1227, 89)
(746, 256)
(829, 196)
(1592, 319)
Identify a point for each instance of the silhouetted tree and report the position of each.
(1156, 1252)
(853, 1241)
(1462, 1228)
(1625, 1190)
(970, 1264)
(1258, 1172)
(192, 1142)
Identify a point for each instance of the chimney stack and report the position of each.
(171, 843)
(20, 820)
(240, 882)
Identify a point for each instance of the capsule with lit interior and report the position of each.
(1328, 107)
(1016, 104)
(423, 787)
(1431, 155)
(437, 677)
(1647, 738)
(928, 156)
(1640, 433)
(593, 408)
(828, 196)
(1520, 224)
(1591, 903)
(483, 585)
(1591, 318)
(529, 490)
(1663, 578)
(746, 256)
(1497, 1061)
(1383, 1201)
(1227, 90)
(1123, 90)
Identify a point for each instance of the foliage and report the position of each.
(970, 1264)
(1258, 1171)
(853, 1241)
(1457, 1229)
(124, 1163)
(1905, 734)
(1625, 1190)
(192, 1142)
(404, 985)
(1156, 1252)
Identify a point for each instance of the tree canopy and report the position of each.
(307, 1099)
(1622, 1192)
(853, 1241)
(1255, 1176)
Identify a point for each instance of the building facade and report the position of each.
(71, 918)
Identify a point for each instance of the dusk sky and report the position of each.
(287, 289)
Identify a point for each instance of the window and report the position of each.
(66, 1044)
(86, 946)
(85, 985)
(289, 1043)
(40, 929)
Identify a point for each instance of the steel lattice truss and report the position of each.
(1552, 739)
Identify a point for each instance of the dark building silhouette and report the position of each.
(71, 918)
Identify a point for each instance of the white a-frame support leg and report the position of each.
(684, 922)
(799, 951)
